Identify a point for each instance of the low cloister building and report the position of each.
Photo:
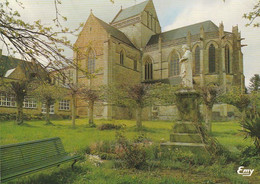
(133, 49)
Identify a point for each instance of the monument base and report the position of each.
(185, 132)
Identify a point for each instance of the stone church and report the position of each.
(133, 49)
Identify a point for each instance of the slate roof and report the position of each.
(115, 32)
(130, 12)
(9, 72)
(182, 32)
(7, 63)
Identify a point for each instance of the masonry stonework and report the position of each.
(135, 33)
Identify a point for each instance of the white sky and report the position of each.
(171, 13)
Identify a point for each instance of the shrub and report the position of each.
(109, 126)
(133, 155)
(249, 155)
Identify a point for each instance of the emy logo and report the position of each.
(245, 172)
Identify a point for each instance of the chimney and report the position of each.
(202, 33)
(221, 30)
(235, 30)
(188, 40)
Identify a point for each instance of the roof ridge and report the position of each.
(190, 26)
(103, 24)
(146, 1)
(141, 5)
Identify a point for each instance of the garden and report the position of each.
(115, 152)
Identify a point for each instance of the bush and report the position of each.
(109, 126)
(12, 116)
(132, 155)
(250, 156)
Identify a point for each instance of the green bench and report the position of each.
(24, 158)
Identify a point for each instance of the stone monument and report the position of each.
(185, 132)
(186, 68)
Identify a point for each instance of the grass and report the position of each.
(74, 140)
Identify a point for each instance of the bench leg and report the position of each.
(72, 166)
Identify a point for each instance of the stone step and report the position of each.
(185, 133)
(182, 144)
(185, 137)
(184, 128)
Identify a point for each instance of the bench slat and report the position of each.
(18, 173)
(19, 159)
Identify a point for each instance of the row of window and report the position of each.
(92, 59)
(122, 60)
(151, 22)
(29, 103)
(174, 67)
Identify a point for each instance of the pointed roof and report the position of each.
(115, 32)
(130, 12)
(182, 32)
(7, 63)
(9, 72)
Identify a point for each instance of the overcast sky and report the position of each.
(171, 13)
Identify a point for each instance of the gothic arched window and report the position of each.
(91, 61)
(174, 65)
(227, 59)
(212, 59)
(122, 58)
(135, 64)
(148, 68)
(197, 60)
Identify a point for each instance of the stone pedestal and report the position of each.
(188, 105)
(185, 131)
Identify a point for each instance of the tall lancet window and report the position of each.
(91, 61)
(174, 65)
(227, 59)
(122, 58)
(148, 68)
(212, 59)
(197, 60)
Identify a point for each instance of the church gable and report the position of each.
(130, 12)
(92, 32)
(150, 18)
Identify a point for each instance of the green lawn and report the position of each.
(227, 133)
(77, 139)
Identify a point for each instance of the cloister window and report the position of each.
(7, 100)
(122, 58)
(29, 103)
(212, 59)
(51, 109)
(64, 105)
(197, 60)
(174, 65)
(227, 59)
(148, 69)
(91, 61)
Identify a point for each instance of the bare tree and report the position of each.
(91, 96)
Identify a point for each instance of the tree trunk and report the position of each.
(243, 118)
(139, 118)
(208, 118)
(19, 115)
(91, 114)
(73, 111)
